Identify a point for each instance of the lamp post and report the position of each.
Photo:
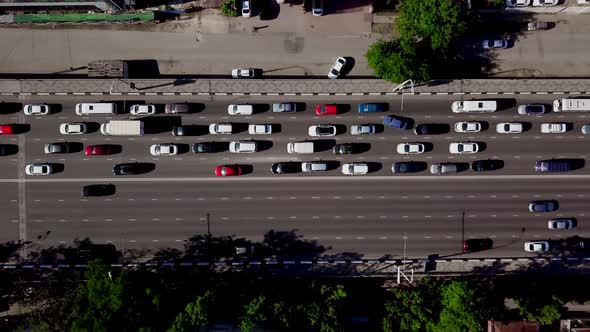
(403, 86)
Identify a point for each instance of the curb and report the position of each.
(301, 262)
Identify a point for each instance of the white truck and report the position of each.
(571, 105)
(122, 128)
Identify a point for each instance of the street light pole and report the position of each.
(405, 244)
(403, 86)
(463, 230)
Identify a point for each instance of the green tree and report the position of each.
(195, 314)
(407, 310)
(228, 8)
(323, 312)
(436, 23)
(461, 310)
(544, 309)
(99, 300)
(393, 63)
(255, 312)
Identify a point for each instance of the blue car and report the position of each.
(393, 121)
(372, 107)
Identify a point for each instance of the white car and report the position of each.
(243, 73)
(321, 130)
(553, 128)
(260, 129)
(355, 169)
(463, 148)
(536, 246)
(337, 68)
(517, 3)
(509, 128)
(38, 169)
(240, 109)
(410, 148)
(246, 10)
(72, 128)
(242, 147)
(544, 3)
(468, 127)
(36, 109)
(561, 223)
(220, 128)
(165, 149)
(142, 110)
(366, 129)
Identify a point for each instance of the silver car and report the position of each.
(586, 129)
(284, 107)
(561, 223)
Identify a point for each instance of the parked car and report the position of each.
(543, 206)
(398, 122)
(314, 166)
(468, 127)
(532, 109)
(357, 168)
(142, 109)
(61, 147)
(243, 73)
(561, 223)
(38, 169)
(471, 245)
(240, 109)
(536, 246)
(260, 129)
(443, 168)
(344, 148)
(464, 148)
(410, 148)
(372, 107)
(545, 3)
(533, 26)
(317, 7)
(321, 130)
(164, 149)
(487, 165)
(553, 128)
(73, 128)
(364, 129)
(494, 43)
(337, 68)
(7, 129)
(242, 146)
(509, 128)
(285, 167)
(517, 3)
(36, 109)
(284, 107)
(246, 10)
(95, 190)
(228, 170)
(205, 147)
(326, 110)
(97, 150)
(220, 128)
(408, 167)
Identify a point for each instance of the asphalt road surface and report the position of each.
(369, 216)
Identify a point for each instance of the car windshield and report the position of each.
(536, 109)
(325, 130)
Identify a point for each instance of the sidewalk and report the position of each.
(207, 87)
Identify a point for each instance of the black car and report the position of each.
(98, 190)
(57, 148)
(185, 131)
(205, 147)
(487, 165)
(285, 168)
(345, 148)
(128, 169)
(408, 167)
(477, 244)
(432, 129)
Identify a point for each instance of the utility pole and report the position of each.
(208, 225)
(405, 244)
(463, 230)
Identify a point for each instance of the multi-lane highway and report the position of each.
(367, 215)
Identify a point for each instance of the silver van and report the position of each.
(96, 109)
(443, 168)
(300, 147)
(177, 108)
(314, 166)
(473, 106)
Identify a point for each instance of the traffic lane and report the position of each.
(9, 205)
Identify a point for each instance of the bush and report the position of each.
(228, 8)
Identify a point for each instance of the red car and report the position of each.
(326, 110)
(477, 244)
(228, 170)
(6, 129)
(96, 150)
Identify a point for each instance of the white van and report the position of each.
(571, 105)
(470, 106)
(242, 109)
(300, 147)
(96, 108)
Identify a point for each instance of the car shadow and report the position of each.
(21, 128)
(462, 167)
(263, 145)
(115, 148)
(195, 107)
(379, 128)
(183, 148)
(92, 127)
(526, 126)
(221, 146)
(332, 164)
(260, 108)
(193, 130)
(300, 107)
(428, 146)
(9, 108)
(246, 169)
(343, 108)
(359, 148)
(9, 149)
(569, 126)
(320, 145)
(239, 127)
(55, 108)
(75, 147)
(57, 167)
(160, 124)
(276, 128)
(374, 166)
(340, 129)
(484, 125)
(145, 167)
(350, 63)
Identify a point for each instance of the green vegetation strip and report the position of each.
(97, 17)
